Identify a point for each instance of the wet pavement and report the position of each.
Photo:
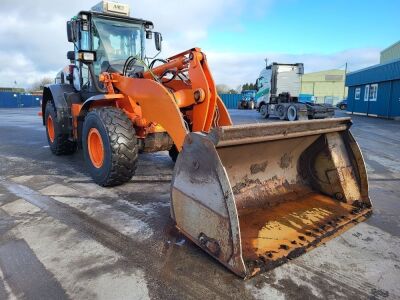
(64, 237)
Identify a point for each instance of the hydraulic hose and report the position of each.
(95, 81)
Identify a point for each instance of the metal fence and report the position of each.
(230, 100)
(15, 100)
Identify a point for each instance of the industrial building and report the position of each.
(375, 91)
(324, 86)
(390, 53)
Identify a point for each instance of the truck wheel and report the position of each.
(281, 112)
(292, 113)
(343, 107)
(173, 153)
(264, 111)
(110, 146)
(59, 143)
(251, 105)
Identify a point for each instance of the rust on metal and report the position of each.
(274, 235)
(263, 194)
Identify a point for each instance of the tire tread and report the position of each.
(62, 145)
(124, 146)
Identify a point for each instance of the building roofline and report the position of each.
(323, 71)
(374, 66)
(398, 42)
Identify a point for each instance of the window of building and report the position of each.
(373, 92)
(357, 94)
(366, 93)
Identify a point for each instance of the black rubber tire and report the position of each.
(173, 153)
(264, 111)
(291, 113)
(343, 107)
(119, 143)
(281, 112)
(61, 145)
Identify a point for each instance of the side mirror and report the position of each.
(71, 32)
(71, 55)
(158, 40)
(149, 34)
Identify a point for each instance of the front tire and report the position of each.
(110, 146)
(59, 143)
(264, 111)
(173, 153)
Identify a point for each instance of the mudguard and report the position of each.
(56, 94)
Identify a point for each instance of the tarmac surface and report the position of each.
(64, 237)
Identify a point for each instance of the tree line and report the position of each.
(225, 89)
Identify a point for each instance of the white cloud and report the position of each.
(234, 69)
(33, 41)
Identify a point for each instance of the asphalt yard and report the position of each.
(64, 237)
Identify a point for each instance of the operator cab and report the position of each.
(104, 39)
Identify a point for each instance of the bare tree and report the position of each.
(223, 89)
(39, 84)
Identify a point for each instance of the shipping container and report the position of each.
(230, 100)
(15, 100)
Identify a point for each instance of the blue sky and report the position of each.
(306, 26)
(236, 35)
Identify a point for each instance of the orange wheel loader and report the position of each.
(299, 184)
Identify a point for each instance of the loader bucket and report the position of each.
(255, 196)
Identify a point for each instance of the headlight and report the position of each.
(86, 56)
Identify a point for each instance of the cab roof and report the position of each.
(117, 17)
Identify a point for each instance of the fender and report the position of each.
(56, 94)
(104, 98)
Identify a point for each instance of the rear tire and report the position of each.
(292, 113)
(343, 107)
(59, 143)
(264, 111)
(173, 153)
(281, 112)
(110, 146)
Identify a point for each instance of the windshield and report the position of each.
(249, 94)
(114, 41)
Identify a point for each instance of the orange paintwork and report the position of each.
(75, 110)
(156, 104)
(224, 117)
(50, 128)
(95, 148)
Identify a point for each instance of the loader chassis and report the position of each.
(298, 184)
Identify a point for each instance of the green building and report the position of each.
(391, 53)
(326, 86)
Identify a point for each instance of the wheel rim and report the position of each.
(263, 110)
(95, 148)
(291, 113)
(281, 111)
(50, 128)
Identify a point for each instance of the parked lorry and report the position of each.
(248, 100)
(297, 185)
(279, 87)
